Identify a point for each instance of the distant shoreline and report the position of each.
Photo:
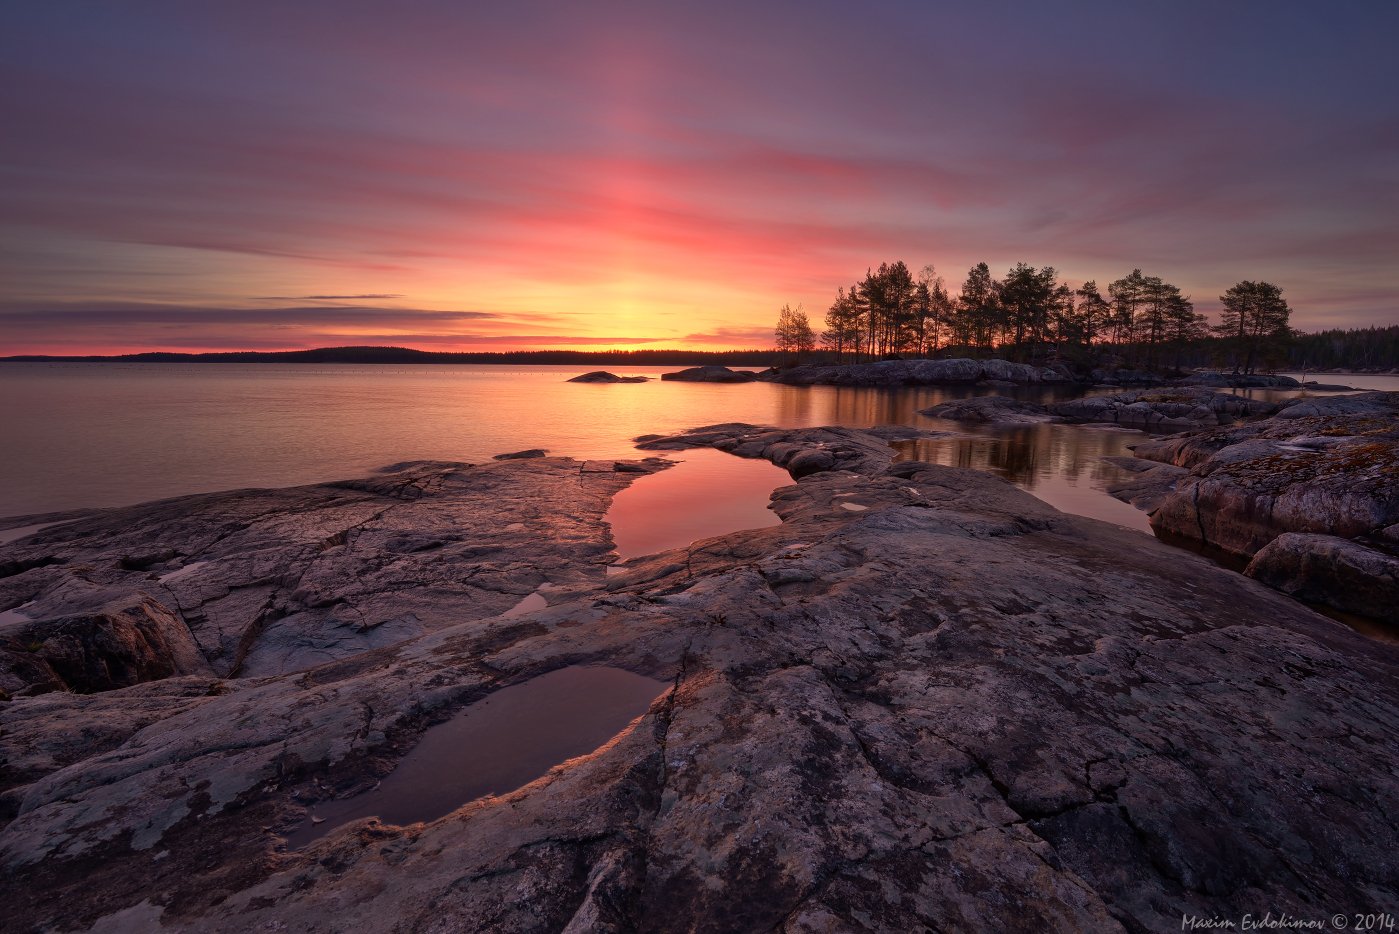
(406, 355)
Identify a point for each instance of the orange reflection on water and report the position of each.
(709, 493)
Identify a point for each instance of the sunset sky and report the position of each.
(256, 175)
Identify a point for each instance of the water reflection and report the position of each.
(855, 407)
(1061, 464)
(496, 745)
(85, 434)
(709, 493)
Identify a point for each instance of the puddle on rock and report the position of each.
(500, 743)
(709, 493)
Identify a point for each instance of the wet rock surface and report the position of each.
(948, 707)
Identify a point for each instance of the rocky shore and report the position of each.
(1309, 497)
(926, 700)
(888, 373)
(1176, 409)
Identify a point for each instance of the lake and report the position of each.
(109, 434)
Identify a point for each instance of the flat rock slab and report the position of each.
(261, 582)
(953, 709)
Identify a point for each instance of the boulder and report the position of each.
(806, 463)
(522, 455)
(710, 374)
(1336, 572)
(115, 647)
(602, 376)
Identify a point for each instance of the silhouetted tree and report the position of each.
(844, 325)
(978, 308)
(1027, 298)
(1127, 294)
(1093, 314)
(1254, 322)
(794, 331)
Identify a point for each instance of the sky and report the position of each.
(450, 175)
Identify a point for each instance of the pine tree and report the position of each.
(1254, 322)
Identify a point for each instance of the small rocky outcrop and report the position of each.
(1144, 484)
(1240, 381)
(602, 376)
(1125, 376)
(888, 373)
(710, 374)
(1175, 409)
(996, 410)
(1337, 572)
(527, 454)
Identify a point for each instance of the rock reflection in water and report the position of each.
(858, 407)
(496, 745)
(1061, 464)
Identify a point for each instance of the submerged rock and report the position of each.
(602, 376)
(949, 707)
(710, 374)
(993, 409)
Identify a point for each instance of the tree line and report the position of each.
(1031, 315)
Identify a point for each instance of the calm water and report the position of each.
(710, 493)
(496, 745)
(100, 434)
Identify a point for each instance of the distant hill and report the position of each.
(402, 355)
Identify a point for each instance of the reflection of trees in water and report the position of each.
(1025, 455)
(858, 407)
